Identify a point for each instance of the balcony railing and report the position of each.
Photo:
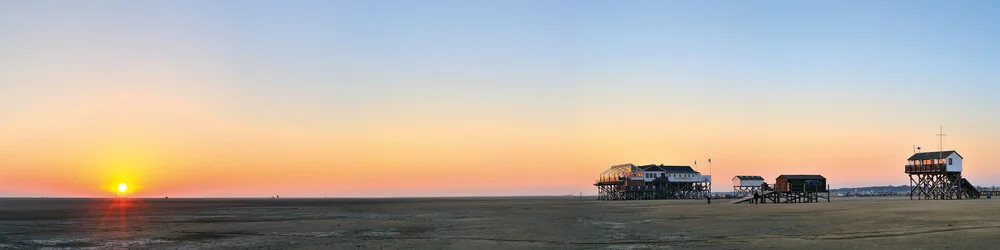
(926, 168)
(637, 188)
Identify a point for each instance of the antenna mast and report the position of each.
(941, 143)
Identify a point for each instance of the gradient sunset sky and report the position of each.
(456, 98)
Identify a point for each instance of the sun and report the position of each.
(122, 187)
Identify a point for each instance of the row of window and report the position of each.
(653, 175)
(930, 161)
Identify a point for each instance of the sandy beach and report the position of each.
(468, 223)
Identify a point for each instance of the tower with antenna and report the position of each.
(938, 175)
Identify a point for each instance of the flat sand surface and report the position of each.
(491, 223)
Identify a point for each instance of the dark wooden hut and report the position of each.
(800, 183)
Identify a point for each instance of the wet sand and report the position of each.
(491, 223)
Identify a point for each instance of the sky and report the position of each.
(483, 98)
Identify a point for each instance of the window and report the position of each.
(949, 161)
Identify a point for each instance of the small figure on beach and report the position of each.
(756, 198)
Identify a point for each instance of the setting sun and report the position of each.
(122, 187)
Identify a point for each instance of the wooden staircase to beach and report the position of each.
(749, 198)
(968, 188)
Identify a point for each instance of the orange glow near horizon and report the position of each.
(213, 154)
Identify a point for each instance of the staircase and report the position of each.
(969, 190)
(750, 197)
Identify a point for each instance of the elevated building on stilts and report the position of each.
(938, 176)
(788, 188)
(746, 185)
(647, 182)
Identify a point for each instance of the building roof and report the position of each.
(668, 169)
(933, 155)
(802, 177)
(749, 177)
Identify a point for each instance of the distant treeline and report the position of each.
(887, 189)
(873, 189)
(859, 190)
